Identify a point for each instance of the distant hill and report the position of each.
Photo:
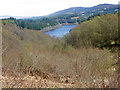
(72, 15)
(79, 14)
(79, 10)
(17, 17)
(72, 10)
(31, 23)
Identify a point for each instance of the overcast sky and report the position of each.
(44, 7)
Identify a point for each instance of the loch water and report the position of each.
(60, 32)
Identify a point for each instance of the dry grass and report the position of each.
(34, 55)
(27, 81)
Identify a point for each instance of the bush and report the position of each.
(101, 31)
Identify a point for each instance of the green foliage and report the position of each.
(101, 31)
(36, 24)
(82, 13)
(10, 20)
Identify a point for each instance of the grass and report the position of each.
(33, 53)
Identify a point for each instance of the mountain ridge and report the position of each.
(73, 15)
(75, 9)
(81, 9)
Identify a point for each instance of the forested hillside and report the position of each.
(95, 9)
(36, 24)
(100, 31)
(80, 14)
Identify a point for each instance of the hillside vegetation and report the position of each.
(80, 14)
(34, 24)
(31, 58)
(101, 31)
(68, 16)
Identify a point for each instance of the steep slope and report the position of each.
(100, 31)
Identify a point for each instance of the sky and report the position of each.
(44, 7)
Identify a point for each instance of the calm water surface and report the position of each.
(60, 32)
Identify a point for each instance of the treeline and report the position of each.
(36, 24)
(10, 20)
(101, 31)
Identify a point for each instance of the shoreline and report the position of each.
(73, 28)
(51, 28)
